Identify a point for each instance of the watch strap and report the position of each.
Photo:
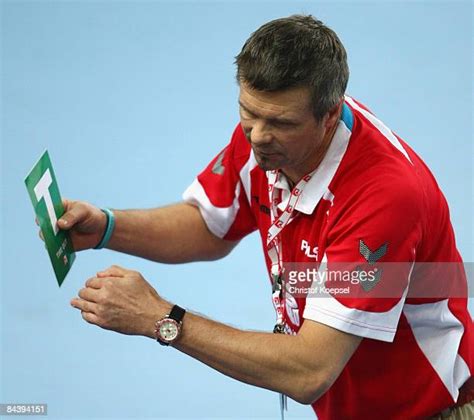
(177, 313)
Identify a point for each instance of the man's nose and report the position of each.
(260, 134)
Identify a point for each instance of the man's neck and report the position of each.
(291, 184)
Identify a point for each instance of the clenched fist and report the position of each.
(121, 300)
(85, 223)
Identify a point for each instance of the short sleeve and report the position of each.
(218, 192)
(372, 237)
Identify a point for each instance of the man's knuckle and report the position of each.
(106, 285)
(79, 206)
(101, 321)
(86, 316)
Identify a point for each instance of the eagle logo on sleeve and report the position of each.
(371, 257)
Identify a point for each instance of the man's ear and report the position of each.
(333, 115)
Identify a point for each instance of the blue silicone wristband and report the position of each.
(109, 229)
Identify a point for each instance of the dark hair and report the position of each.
(296, 51)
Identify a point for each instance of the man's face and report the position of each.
(281, 129)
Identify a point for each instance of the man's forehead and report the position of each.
(288, 101)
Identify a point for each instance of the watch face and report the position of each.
(168, 329)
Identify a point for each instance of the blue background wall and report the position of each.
(132, 99)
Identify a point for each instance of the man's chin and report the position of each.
(267, 163)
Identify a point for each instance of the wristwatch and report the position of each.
(168, 329)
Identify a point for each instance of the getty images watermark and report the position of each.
(379, 280)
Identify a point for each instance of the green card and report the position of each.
(44, 193)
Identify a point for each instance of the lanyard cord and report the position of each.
(274, 250)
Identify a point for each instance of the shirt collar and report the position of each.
(322, 177)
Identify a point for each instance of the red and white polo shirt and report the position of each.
(371, 199)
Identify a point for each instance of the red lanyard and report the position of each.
(274, 241)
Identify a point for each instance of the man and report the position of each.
(325, 182)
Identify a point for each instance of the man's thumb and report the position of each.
(69, 219)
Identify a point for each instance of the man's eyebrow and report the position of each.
(244, 107)
(273, 120)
